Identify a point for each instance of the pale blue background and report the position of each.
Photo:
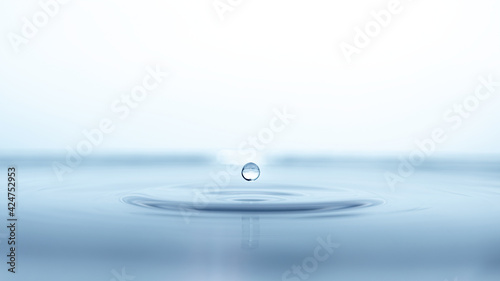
(227, 76)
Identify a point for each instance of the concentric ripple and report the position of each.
(261, 199)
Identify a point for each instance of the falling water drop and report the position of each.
(250, 171)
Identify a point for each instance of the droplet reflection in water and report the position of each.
(250, 171)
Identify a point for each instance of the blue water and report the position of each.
(155, 219)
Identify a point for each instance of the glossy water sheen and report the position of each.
(250, 171)
(188, 221)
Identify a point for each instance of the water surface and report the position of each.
(167, 220)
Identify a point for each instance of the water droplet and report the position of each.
(250, 171)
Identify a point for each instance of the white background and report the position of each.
(228, 75)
